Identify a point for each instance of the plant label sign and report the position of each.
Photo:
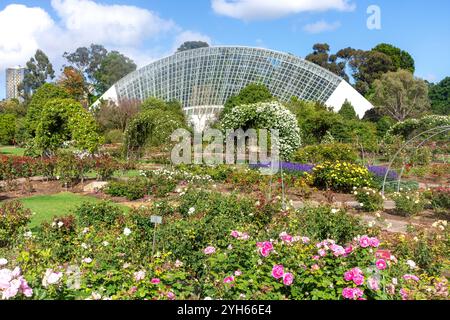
(156, 219)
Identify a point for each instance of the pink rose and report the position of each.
(411, 277)
(285, 237)
(348, 276)
(278, 271)
(404, 294)
(288, 279)
(155, 281)
(209, 250)
(237, 273)
(373, 284)
(348, 250)
(170, 295)
(322, 253)
(140, 275)
(381, 264)
(305, 240)
(315, 267)
(228, 279)
(337, 250)
(358, 279)
(374, 242)
(235, 234)
(265, 248)
(364, 241)
(352, 293)
(316, 258)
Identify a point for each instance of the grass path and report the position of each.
(47, 207)
(11, 151)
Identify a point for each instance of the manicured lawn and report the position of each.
(11, 150)
(61, 204)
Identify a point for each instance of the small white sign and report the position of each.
(156, 219)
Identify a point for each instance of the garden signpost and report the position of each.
(155, 220)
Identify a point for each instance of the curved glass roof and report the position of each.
(209, 76)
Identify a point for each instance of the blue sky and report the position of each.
(149, 29)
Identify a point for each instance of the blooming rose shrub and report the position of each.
(370, 200)
(13, 220)
(341, 176)
(97, 213)
(408, 203)
(325, 222)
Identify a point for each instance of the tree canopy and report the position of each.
(42, 95)
(440, 97)
(252, 93)
(189, 45)
(39, 70)
(400, 95)
(400, 58)
(322, 57)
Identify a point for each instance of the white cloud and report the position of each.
(321, 26)
(271, 9)
(118, 24)
(76, 23)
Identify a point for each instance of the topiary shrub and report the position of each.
(133, 189)
(326, 152)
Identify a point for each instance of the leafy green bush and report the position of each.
(371, 200)
(13, 219)
(326, 223)
(326, 152)
(7, 128)
(133, 189)
(408, 203)
(440, 201)
(341, 176)
(104, 212)
(114, 136)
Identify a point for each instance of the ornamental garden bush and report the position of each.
(370, 200)
(341, 176)
(316, 154)
(266, 115)
(13, 220)
(408, 203)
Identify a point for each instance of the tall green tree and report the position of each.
(400, 95)
(322, 57)
(440, 97)
(39, 71)
(43, 95)
(348, 111)
(87, 60)
(189, 45)
(112, 68)
(252, 93)
(400, 58)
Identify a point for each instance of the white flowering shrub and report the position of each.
(267, 115)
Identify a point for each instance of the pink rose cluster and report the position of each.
(230, 279)
(209, 250)
(353, 293)
(13, 283)
(411, 277)
(288, 239)
(366, 241)
(337, 250)
(278, 273)
(355, 275)
(265, 248)
(240, 235)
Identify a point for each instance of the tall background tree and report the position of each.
(400, 58)
(73, 82)
(99, 68)
(322, 57)
(189, 45)
(400, 95)
(40, 70)
(112, 68)
(440, 97)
